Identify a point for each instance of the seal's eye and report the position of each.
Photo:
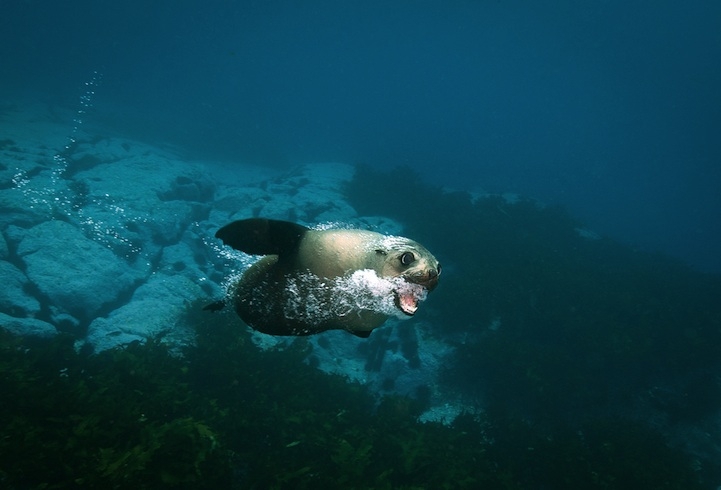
(407, 258)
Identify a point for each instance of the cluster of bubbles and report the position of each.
(86, 102)
(108, 233)
(368, 291)
(231, 260)
(70, 200)
(310, 298)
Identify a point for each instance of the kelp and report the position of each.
(113, 420)
(228, 415)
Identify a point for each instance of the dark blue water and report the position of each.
(609, 107)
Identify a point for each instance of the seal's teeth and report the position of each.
(408, 303)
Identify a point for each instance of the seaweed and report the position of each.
(222, 413)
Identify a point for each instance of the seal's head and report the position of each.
(416, 269)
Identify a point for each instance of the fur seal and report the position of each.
(312, 280)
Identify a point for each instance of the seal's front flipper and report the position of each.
(364, 334)
(259, 236)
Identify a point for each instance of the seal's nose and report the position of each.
(433, 278)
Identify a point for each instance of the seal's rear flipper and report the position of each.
(259, 236)
(215, 306)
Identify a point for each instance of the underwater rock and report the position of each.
(154, 310)
(308, 194)
(346, 355)
(66, 323)
(195, 187)
(4, 251)
(24, 206)
(313, 194)
(138, 180)
(381, 224)
(75, 274)
(13, 296)
(165, 222)
(30, 327)
(183, 259)
(125, 197)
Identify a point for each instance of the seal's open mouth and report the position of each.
(408, 303)
(408, 295)
(413, 288)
